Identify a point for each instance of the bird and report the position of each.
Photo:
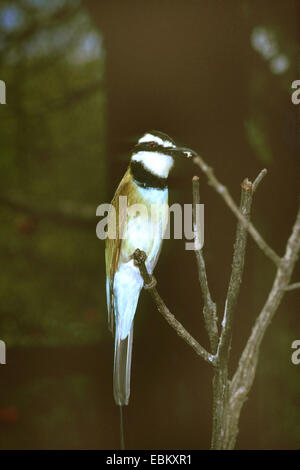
(144, 183)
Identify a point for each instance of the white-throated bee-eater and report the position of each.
(145, 183)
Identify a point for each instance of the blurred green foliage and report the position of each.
(258, 140)
(52, 151)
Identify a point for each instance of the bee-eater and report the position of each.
(145, 183)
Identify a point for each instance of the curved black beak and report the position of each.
(182, 152)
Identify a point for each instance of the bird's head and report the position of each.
(157, 152)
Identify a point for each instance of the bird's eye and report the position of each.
(153, 145)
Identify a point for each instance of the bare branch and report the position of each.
(245, 373)
(258, 179)
(224, 193)
(293, 286)
(209, 309)
(220, 382)
(149, 283)
(237, 270)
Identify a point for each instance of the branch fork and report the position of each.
(139, 258)
(229, 395)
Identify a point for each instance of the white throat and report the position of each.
(157, 163)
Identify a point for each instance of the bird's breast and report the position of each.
(145, 225)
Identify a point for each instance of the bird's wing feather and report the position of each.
(121, 306)
(113, 248)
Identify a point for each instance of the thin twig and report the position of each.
(149, 283)
(293, 286)
(209, 309)
(258, 179)
(237, 269)
(224, 193)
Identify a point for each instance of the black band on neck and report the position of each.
(144, 178)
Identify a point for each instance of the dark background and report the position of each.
(84, 80)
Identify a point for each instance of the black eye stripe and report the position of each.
(149, 146)
(153, 145)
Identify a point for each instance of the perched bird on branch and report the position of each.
(145, 183)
